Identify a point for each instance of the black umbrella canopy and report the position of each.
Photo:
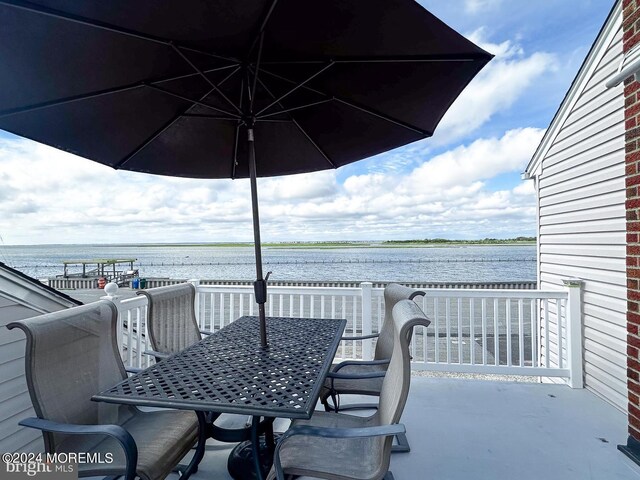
(207, 88)
(168, 87)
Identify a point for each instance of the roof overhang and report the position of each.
(30, 292)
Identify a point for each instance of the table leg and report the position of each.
(203, 434)
(242, 464)
(268, 435)
(255, 447)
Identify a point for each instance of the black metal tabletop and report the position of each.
(230, 372)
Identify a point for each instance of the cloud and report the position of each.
(475, 6)
(483, 159)
(504, 82)
(71, 200)
(495, 89)
(525, 189)
(501, 51)
(300, 187)
(445, 196)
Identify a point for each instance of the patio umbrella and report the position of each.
(226, 88)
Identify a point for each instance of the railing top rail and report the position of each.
(137, 301)
(494, 293)
(284, 290)
(430, 292)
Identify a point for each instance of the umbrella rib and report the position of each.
(263, 25)
(210, 117)
(235, 152)
(312, 142)
(62, 101)
(259, 39)
(299, 107)
(159, 132)
(387, 118)
(234, 160)
(196, 102)
(369, 111)
(257, 70)
(99, 93)
(206, 79)
(299, 85)
(275, 120)
(433, 58)
(303, 131)
(30, 7)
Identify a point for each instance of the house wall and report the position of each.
(581, 189)
(18, 299)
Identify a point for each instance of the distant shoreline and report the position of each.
(428, 243)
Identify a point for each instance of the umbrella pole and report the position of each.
(260, 285)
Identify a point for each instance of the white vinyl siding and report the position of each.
(19, 299)
(582, 226)
(15, 403)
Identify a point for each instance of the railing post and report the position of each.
(574, 331)
(366, 289)
(196, 305)
(111, 290)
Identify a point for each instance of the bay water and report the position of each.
(459, 263)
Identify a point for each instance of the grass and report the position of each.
(429, 242)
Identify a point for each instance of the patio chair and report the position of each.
(72, 355)
(171, 319)
(172, 327)
(340, 446)
(358, 377)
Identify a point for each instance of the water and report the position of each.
(491, 263)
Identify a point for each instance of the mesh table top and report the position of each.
(230, 372)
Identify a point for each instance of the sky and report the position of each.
(462, 183)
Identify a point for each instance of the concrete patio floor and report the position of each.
(476, 429)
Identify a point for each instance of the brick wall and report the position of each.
(631, 32)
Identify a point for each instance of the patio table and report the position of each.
(230, 372)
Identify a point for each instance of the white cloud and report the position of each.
(526, 188)
(56, 197)
(502, 51)
(496, 88)
(483, 159)
(300, 187)
(475, 6)
(445, 196)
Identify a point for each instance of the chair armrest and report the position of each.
(206, 332)
(355, 376)
(159, 355)
(347, 363)
(116, 431)
(309, 430)
(133, 370)
(361, 337)
(417, 293)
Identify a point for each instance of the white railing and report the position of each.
(515, 332)
(493, 331)
(218, 305)
(131, 328)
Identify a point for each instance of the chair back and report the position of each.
(171, 320)
(393, 293)
(72, 355)
(395, 386)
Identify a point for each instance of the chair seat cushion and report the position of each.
(353, 458)
(162, 437)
